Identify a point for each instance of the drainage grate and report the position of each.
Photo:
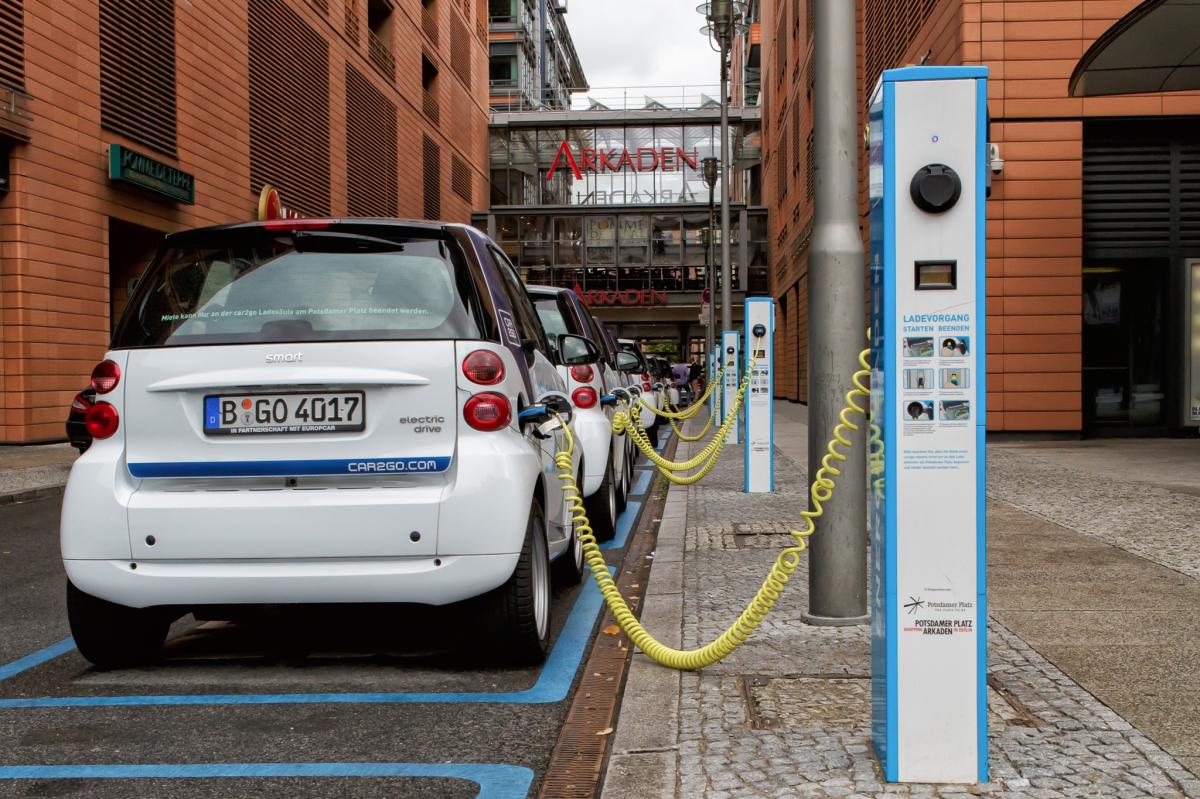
(577, 763)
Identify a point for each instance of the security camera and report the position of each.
(994, 160)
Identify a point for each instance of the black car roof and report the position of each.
(412, 226)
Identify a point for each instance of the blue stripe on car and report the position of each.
(355, 466)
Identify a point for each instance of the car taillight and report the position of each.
(488, 411)
(645, 377)
(585, 397)
(80, 403)
(646, 386)
(105, 377)
(582, 374)
(101, 420)
(483, 367)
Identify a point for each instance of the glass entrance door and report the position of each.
(1124, 347)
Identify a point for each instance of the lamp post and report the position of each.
(724, 18)
(710, 165)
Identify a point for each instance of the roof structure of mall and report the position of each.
(1153, 48)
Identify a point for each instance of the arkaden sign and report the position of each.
(594, 297)
(643, 159)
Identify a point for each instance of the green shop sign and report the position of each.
(142, 170)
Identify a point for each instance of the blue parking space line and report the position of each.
(552, 685)
(495, 781)
(641, 483)
(37, 658)
(624, 526)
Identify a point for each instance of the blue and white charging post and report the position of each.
(760, 422)
(928, 160)
(731, 357)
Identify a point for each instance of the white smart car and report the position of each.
(607, 468)
(320, 411)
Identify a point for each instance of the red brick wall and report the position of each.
(1035, 214)
(54, 271)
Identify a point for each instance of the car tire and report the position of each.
(570, 567)
(113, 636)
(602, 506)
(519, 610)
(623, 488)
(652, 434)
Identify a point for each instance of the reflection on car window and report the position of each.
(265, 291)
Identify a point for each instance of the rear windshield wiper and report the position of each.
(331, 241)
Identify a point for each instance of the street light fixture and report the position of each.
(725, 20)
(710, 166)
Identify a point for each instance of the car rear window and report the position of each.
(251, 285)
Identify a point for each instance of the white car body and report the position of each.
(417, 507)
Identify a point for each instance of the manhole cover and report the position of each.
(844, 702)
(834, 701)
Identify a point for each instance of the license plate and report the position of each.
(266, 414)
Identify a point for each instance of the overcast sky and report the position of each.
(641, 43)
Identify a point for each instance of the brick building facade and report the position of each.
(347, 107)
(1089, 238)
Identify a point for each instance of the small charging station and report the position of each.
(928, 156)
(714, 365)
(760, 422)
(731, 357)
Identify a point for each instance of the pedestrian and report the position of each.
(694, 373)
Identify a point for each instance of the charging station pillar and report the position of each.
(714, 365)
(760, 421)
(928, 156)
(731, 356)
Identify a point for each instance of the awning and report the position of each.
(1153, 48)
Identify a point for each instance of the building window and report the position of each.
(379, 36)
(289, 107)
(460, 50)
(429, 19)
(429, 89)
(12, 44)
(500, 11)
(371, 162)
(137, 71)
(431, 162)
(460, 177)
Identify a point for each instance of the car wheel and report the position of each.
(568, 570)
(602, 507)
(113, 636)
(628, 478)
(519, 610)
(623, 488)
(652, 434)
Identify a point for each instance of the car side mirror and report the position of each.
(628, 363)
(577, 350)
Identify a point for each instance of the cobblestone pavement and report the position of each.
(1101, 506)
(788, 714)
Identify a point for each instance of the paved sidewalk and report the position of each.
(1087, 700)
(33, 472)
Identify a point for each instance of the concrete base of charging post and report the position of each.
(759, 413)
(731, 359)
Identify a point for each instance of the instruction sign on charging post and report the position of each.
(731, 353)
(760, 445)
(928, 155)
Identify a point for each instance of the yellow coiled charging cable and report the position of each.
(626, 421)
(820, 490)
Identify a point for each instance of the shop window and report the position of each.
(137, 71)
(568, 241)
(536, 245)
(633, 251)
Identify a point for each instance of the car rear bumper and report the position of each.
(430, 581)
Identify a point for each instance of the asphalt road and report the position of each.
(326, 686)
